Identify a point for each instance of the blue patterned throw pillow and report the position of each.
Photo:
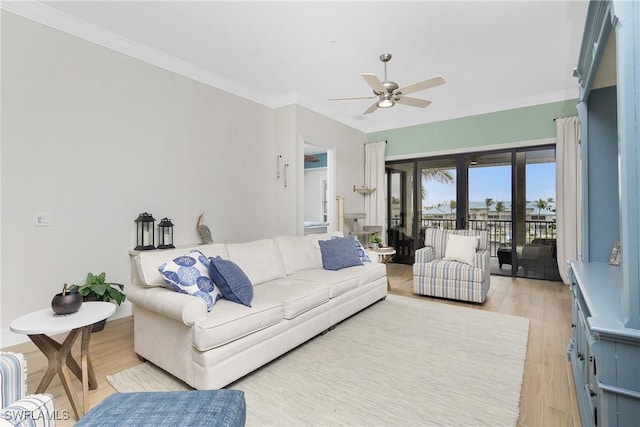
(339, 253)
(359, 248)
(189, 274)
(232, 281)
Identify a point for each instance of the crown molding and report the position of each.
(40, 12)
(46, 15)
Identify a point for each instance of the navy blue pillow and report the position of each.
(233, 283)
(339, 253)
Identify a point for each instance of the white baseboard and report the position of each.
(8, 338)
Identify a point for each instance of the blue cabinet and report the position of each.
(604, 354)
(604, 350)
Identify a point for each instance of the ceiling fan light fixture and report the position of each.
(389, 93)
(386, 103)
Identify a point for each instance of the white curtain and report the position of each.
(374, 203)
(568, 193)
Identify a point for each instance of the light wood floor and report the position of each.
(548, 395)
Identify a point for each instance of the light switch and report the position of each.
(42, 219)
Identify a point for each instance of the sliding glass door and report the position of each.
(437, 183)
(400, 210)
(508, 193)
(536, 249)
(489, 201)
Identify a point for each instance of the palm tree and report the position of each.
(541, 204)
(452, 206)
(442, 176)
(550, 202)
(500, 207)
(488, 202)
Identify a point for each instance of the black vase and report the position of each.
(68, 303)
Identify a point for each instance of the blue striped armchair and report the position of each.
(17, 408)
(435, 276)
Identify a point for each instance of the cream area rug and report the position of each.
(400, 362)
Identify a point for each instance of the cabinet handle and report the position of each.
(573, 325)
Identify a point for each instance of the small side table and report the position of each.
(384, 256)
(39, 325)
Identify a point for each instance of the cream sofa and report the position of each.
(294, 300)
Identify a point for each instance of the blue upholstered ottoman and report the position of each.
(170, 408)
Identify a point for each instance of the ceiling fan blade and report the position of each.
(371, 109)
(374, 82)
(425, 84)
(414, 102)
(348, 99)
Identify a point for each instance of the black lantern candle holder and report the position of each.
(165, 234)
(145, 232)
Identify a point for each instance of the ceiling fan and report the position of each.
(389, 93)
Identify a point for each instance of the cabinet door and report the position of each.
(583, 367)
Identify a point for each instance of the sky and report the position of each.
(495, 182)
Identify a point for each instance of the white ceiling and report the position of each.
(493, 55)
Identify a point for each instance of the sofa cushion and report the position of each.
(297, 296)
(231, 321)
(338, 282)
(233, 283)
(368, 272)
(449, 270)
(189, 274)
(339, 253)
(298, 253)
(147, 262)
(260, 260)
(461, 248)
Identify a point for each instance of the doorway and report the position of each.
(317, 206)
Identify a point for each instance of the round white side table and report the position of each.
(39, 325)
(384, 256)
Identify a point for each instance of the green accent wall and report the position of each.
(501, 127)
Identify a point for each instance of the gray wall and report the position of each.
(94, 137)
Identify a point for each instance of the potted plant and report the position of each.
(375, 241)
(96, 288)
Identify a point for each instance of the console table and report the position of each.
(40, 325)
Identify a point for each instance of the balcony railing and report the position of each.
(500, 231)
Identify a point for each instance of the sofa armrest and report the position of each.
(174, 305)
(373, 255)
(31, 410)
(425, 254)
